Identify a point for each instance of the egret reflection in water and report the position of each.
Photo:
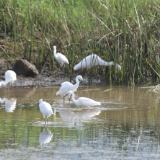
(71, 117)
(45, 136)
(10, 104)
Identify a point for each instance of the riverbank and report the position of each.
(126, 32)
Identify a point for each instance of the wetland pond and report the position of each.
(125, 127)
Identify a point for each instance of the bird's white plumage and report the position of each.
(67, 86)
(93, 60)
(60, 58)
(45, 136)
(45, 108)
(83, 101)
(10, 77)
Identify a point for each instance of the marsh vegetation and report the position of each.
(126, 32)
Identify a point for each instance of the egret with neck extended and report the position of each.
(83, 101)
(67, 86)
(45, 109)
(60, 58)
(94, 60)
(10, 77)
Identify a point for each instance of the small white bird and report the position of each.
(67, 86)
(10, 77)
(45, 136)
(93, 60)
(60, 58)
(45, 109)
(83, 101)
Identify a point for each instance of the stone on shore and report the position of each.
(23, 67)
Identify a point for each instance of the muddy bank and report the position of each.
(45, 78)
(42, 80)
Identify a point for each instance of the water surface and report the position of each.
(125, 126)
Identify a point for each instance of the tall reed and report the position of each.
(126, 32)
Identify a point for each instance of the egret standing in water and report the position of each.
(67, 86)
(45, 109)
(83, 101)
(94, 60)
(60, 58)
(10, 77)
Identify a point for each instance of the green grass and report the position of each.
(126, 32)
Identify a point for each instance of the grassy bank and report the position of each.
(126, 32)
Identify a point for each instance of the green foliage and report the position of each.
(123, 31)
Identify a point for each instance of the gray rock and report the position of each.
(23, 67)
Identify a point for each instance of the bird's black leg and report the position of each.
(69, 99)
(10, 86)
(47, 120)
(7, 86)
(44, 121)
(63, 101)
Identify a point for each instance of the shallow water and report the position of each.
(126, 125)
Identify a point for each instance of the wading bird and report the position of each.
(60, 58)
(45, 109)
(10, 77)
(67, 86)
(93, 60)
(83, 101)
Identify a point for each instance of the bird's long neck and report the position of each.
(73, 99)
(77, 83)
(102, 62)
(54, 52)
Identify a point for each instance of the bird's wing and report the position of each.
(66, 84)
(10, 76)
(65, 87)
(87, 101)
(87, 62)
(45, 107)
(62, 58)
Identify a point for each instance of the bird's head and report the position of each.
(68, 93)
(79, 77)
(54, 47)
(41, 100)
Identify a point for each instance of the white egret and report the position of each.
(60, 58)
(10, 77)
(83, 101)
(45, 136)
(45, 109)
(67, 86)
(93, 60)
(10, 104)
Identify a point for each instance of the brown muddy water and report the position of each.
(125, 127)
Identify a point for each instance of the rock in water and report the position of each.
(23, 67)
